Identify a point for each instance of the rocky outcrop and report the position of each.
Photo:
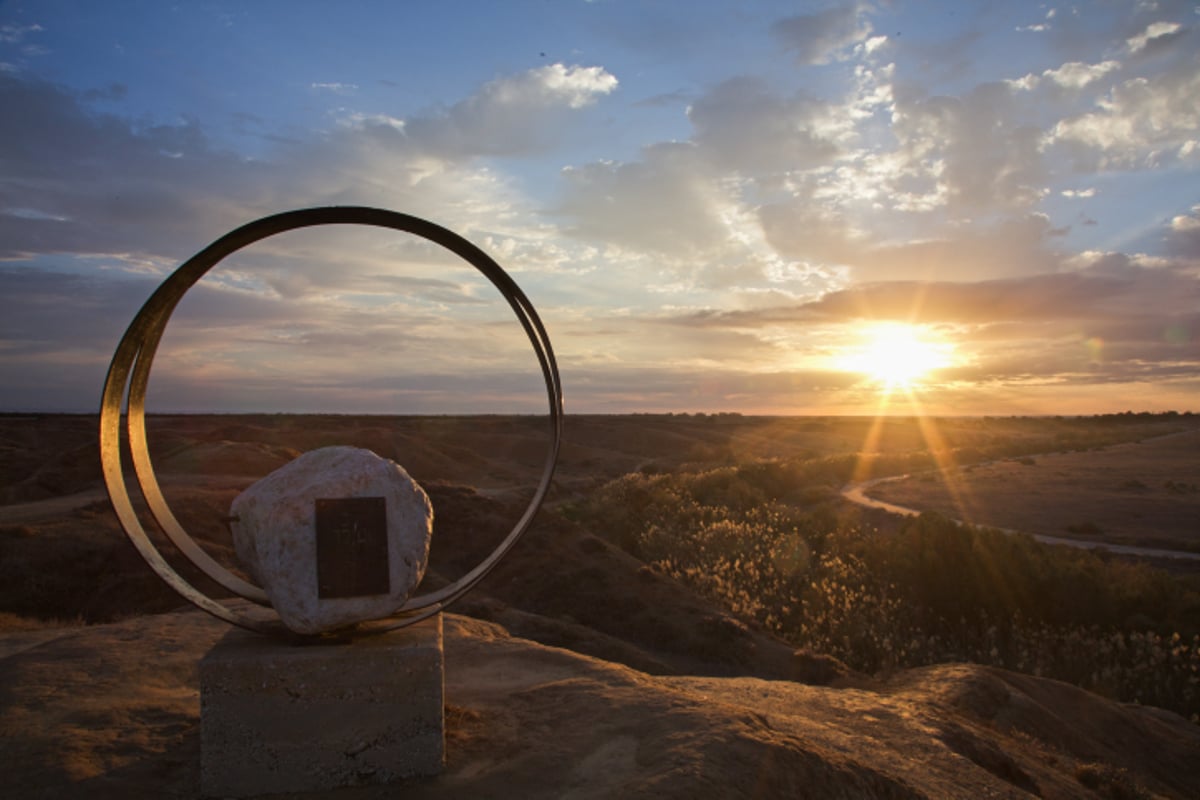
(112, 711)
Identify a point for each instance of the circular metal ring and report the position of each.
(130, 368)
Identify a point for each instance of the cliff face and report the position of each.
(113, 711)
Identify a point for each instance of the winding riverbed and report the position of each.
(857, 493)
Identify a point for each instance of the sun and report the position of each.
(897, 355)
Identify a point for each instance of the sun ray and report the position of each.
(899, 359)
(947, 466)
(896, 355)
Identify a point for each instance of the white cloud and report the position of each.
(824, 36)
(1136, 122)
(1076, 75)
(974, 145)
(1187, 224)
(1026, 83)
(577, 86)
(1072, 75)
(742, 125)
(336, 88)
(32, 214)
(515, 114)
(86, 182)
(1155, 30)
(1089, 192)
(874, 43)
(361, 120)
(1184, 234)
(15, 34)
(666, 203)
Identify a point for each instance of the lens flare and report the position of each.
(897, 355)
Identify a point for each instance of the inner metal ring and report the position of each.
(131, 367)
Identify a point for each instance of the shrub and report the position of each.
(934, 591)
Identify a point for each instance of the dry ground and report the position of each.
(657, 691)
(1138, 493)
(112, 711)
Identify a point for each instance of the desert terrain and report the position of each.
(631, 671)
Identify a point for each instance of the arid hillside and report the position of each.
(685, 688)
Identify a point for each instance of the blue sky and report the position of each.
(713, 206)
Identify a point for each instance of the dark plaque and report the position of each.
(352, 547)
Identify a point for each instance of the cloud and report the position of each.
(125, 201)
(1037, 298)
(1155, 33)
(336, 88)
(779, 222)
(664, 204)
(15, 34)
(803, 230)
(1064, 299)
(710, 390)
(230, 347)
(99, 183)
(1184, 235)
(82, 181)
(975, 145)
(1074, 74)
(1016, 245)
(1112, 322)
(513, 115)
(1142, 122)
(824, 36)
(742, 125)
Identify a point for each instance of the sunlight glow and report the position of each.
(897, 355)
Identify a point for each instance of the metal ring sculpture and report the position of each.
(130, 368)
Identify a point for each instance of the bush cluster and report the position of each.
(762, 539)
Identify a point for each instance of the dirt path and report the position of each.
(38, 510)
(1007, 489)
(51, 507)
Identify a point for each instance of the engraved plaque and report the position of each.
(352, 547)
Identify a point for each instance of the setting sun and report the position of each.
(896, 354)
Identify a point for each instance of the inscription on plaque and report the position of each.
(352, 547)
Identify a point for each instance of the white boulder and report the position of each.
(357, 567)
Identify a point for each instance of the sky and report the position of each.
(755, 207)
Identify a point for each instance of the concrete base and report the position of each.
(277, 717)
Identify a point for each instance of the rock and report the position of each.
(107, 712)
(351, 567)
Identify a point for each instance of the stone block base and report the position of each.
(279, 717)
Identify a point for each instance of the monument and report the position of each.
(334, 675)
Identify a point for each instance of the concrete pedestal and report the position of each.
(278, 717)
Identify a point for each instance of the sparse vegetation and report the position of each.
(932, 592)
(695, 499)
(1110, 782)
